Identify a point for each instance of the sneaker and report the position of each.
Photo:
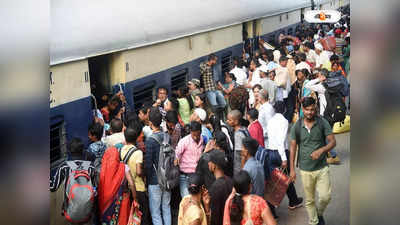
(321, 220)
(331, 160)
(298, 204)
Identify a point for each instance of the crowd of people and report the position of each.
(203, 153)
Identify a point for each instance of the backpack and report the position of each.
(79, 193)
(243, 131)
(167, 172)
(238, 99)
(335, 110)
(127, 155)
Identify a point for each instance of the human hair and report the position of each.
(145, 107)
(174, 102)
(130, 115)
(211, 56)
(195, 126)
(215, 123)
(251, 145)
(221, 141)
(116, 125)
(283, 58)
(280, 107)
(264, 94)
(96, 130)
(256, 86)
(114, 100)
(335, 63)
(162, 88)
(253, 113)
(184, 91)
(231, 75)
(75, 146)
(131, 135)
(236, 114)
(298, 71)
(270, 55)
(324, 72)
(241, 183)
(308, 101)
(172, 117)
(195, 183)
(302, 56)
(308, 45)
(135, 124)
(334, 58)
(155, 117)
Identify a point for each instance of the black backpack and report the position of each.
(335, 110)
(167, 172)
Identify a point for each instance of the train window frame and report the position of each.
(142, 93)
(179, 78)
(226, 67)
(58, 131)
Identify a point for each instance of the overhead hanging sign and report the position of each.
(322, 16)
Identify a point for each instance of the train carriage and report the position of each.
(101, 46)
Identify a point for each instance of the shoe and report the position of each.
(321, 220)
(298, 204)
(331, 160)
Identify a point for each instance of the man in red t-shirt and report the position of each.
(255, 128)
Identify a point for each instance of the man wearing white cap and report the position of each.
(322, 57)
(268, 84)
(200, 116)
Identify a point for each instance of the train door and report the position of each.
(100, 81)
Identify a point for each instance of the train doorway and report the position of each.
(100, 81)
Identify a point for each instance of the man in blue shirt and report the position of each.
(252, 166)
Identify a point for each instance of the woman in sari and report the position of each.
(113, 192)
(242, 208)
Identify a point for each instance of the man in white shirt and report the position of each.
(322, 57)
(268, 84)
(277, 148)
(266, 112)
(303, 64)
(282, 80)
(240, 75)
(117, 135)
(310, 53)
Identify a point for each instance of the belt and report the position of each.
(186, 174)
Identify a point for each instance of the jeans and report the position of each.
(184, 184)
(144, 207)
(216, 98)
(316, 181)
(159, 199)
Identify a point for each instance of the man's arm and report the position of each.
(293, 152)
(179, 151)
(331, 144)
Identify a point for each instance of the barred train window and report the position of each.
(143, 93)
(178, 79)
(57, 143)
(226, 63)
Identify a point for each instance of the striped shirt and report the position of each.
(207, 76)
(188, 153)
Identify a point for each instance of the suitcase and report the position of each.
(329, 43)
(276, 187)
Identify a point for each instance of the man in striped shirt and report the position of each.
(187, 154)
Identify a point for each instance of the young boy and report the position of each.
(97, 148)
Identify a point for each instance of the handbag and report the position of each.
(276, 187)
(135, 216)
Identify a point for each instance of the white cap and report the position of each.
(201, 113)
(264, 68)
(319, 47)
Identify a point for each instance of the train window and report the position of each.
(226, 62)
(178, 79)
(57, 142)
(143, 93)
